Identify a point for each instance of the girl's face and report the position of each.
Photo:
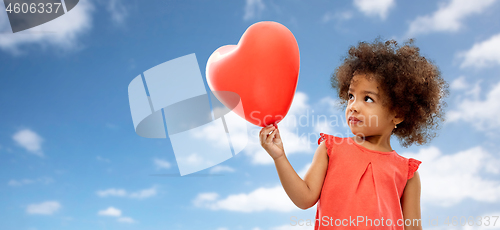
(365, 113)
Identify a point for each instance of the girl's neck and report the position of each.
(376, 142)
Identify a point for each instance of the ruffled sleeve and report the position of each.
(322, 137)
(412, 166)
(328, 143)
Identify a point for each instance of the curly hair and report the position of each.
(412, 84)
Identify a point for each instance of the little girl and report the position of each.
(360, 182)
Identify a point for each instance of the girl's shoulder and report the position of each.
(330, 141)
(413, 165)
(327, 137)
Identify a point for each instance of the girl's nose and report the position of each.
(353, 106)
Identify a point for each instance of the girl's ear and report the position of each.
(397, 119)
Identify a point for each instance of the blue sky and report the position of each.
(70, 158)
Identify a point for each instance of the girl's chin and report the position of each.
(358, 132)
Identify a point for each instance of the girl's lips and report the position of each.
(353, 119)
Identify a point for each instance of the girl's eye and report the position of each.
(349, 96)
(368, 98)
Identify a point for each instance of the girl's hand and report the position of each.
(272, 142)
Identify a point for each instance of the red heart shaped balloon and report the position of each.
(263, 69)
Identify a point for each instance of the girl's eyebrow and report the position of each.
(365, 91)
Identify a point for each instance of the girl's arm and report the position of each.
(410, 202)
(303, 193)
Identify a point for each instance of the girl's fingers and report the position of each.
(266, 129)
(278, 134)
(261, 136)
(264, 132)
(269, 129)
(264, 135)
(270, 137)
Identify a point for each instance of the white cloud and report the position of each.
(472, 109)
(212, 133)
(460, 84)
(378, 8)
(448, 17)
(20, 182)
(114, 212)
(482, 54)
(29, 140)
(333, 105)
(221, 168)
(253, 8)
(299, 105)
(323, 126)
(44, 208)
(145, 193)
(261, 199)
(61, 33)
(451, 178)
(125, 219)
(195, 159)
(141, 194)
(161, 164)
(16, 183)
(110, 211)
(112, 192)
(202, 198)
(117, 10)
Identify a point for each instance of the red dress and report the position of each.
(362, 187)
